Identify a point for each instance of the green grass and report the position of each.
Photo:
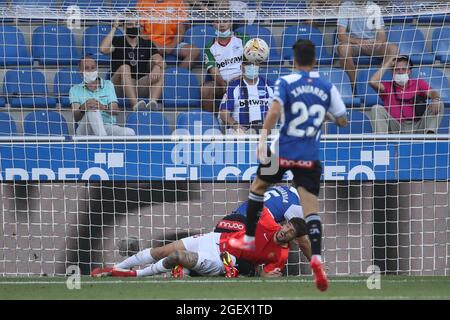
(392, 287)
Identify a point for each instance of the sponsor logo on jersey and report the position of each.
(231, 225)
(253, 102)
(229, 61)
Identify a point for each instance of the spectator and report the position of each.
(402, 111)
(137, 68)
(363, 33)
(246, 102)
(223, 59)
(94, 104)
(168, 35)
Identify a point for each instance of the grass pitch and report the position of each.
(392, 287)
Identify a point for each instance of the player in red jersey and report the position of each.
(209, 254)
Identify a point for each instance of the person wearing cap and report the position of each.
(410, 105)
(246, 102)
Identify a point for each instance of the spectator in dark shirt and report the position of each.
(137, 68)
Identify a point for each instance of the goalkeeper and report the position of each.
(211, 255)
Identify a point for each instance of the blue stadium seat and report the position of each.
(436, 79)
(40, 3)
(181, 89)
(27, 88)
(358, 123)
(364, 91)
(54, 45)
(411, 42)
(7, 125)
(340, 79)
(444, 128)
(44, 123)
(92, 38)
(200, 36)
(123, 4)
(255, 31)
(272, 74)
(64, 80)
(86, 4)
(293, 33)
(282, 5)
(441, 44)
(197, 121)
(13, 50)
(147, 123)
(434, 18)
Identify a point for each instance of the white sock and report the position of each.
(141, 258)
(153, 269)
(248, 238)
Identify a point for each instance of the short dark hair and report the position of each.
(304, 52)
(405, 58)
(300, 226)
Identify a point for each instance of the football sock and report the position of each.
(153, 269)
(140, 258)
(315, 233)
(254, 208)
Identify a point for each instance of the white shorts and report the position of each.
(207, 248)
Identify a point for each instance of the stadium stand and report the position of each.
(200, 36)
(272, 74)
(436, 79)
(364, 91)
(358, 123)
(92, 38)
(63, 81)
(44, 123)
(293, 33)
(148, 123)
(256, 31)
(7, 125)
(13, 49)
(42, 3)
(441, 44)
(27, 88)
(54, 45)
(340, 79)
(123, 4)
(445, 124)
(86, 4)
(358, 60)
(197, 119)
(181, 89)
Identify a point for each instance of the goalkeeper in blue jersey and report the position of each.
(302, 100)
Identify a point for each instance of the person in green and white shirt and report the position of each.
(223, 59)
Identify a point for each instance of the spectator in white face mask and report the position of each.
(410, 105)
(94, 104)
(246, 102)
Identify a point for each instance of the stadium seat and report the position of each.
(340, 79)
(272, 74)
(282, 5)
(40, 3)
(92, 38)
(433, 18)
(123, 4)
(293, 33)
(54, 45)
(441, 44)
(86, 4)
(200, 36)
(411, 42)
(7, 125)
(13, 49)
(146, 123)
(359, 60)
(358, 123)
(27, 88)
(436, 79)
(444, 128)
(64, 80)
(255, 31)
(198, 122)
(181, 89)
(364, 91)
(44, 123)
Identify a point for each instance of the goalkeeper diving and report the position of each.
(211, 255)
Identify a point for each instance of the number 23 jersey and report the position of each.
(305, 98)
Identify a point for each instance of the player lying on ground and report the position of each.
(303, 98)
(203, 253)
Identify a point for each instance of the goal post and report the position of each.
(69, 199)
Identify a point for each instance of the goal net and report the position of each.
(72, 188)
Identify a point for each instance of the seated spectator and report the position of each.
(246, 102)
(223, 59)
(363, 34)
(137, 68)
(405, 107)
(94, 104)
(168, 34)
